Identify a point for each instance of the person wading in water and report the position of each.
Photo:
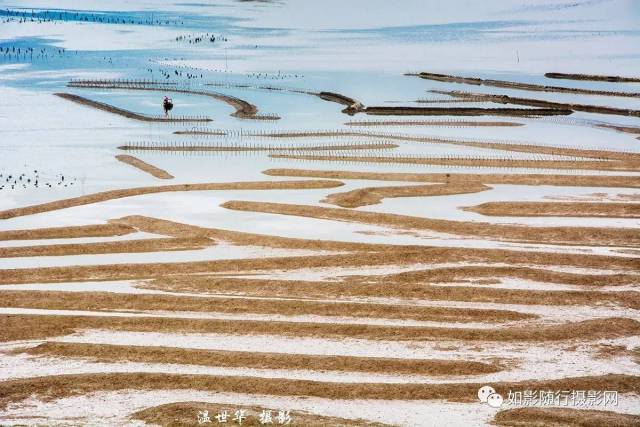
(167, 104)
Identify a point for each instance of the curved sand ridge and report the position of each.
(144, 166)
(522, 86)
(98, 230)
(634, 130)
(626, 237)
(125, 246)
(244, 109)
(530, 102)
(126, 113)
(623, 181)
(374, 195)
(129, 192)
(572, 209)
(592, 77)
(475, 162)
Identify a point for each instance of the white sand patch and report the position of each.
(266, 343)
(333, 273)
(548, 313)
(515, 284)
(138, 235)
(342, 320)
(531, 285)
(319, 274)
(25, 366)
(114, 408)
(583, 270)
(549, 360)
(632, 287)
(214, 252)
(118, 286)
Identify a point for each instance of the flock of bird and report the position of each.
(274, 76)
(21, 53)
(196, 74)
(43, 16)
(167, 74)
(17, 53)
(193, 39)
(35, 180)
